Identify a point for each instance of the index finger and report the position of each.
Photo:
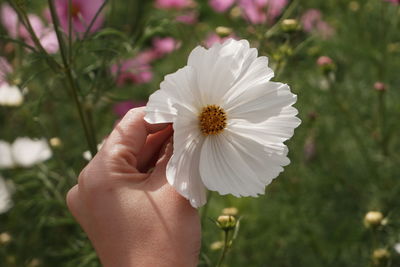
(130, 134)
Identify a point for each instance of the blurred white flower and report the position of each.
(10, 95)
(6, 191)
(397, 247)
(6, 160)
(88, 156)
(24, 152)
(230, 122)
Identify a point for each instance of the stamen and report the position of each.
(212, 120)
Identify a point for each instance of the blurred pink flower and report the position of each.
(132, 71)
(379, 86)
(82, 12)
(163, 46)
(395, 2)
(123, 107)
(324, 60)
(9, 20)
(147, 56)
(221, 5)
(261, 11)
(49, 41)
(312, 22)
(213, 38)
(176, 4)
(325, 30)
(310, 19)
(5, 69)
(46, 34)
(188, 18)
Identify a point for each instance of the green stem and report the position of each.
(70, 31)
(205, 209)
(285, 15)
(85, 35)
(23, 18)
(225, 249)
(382, 123)
(90, 137)
(353, 132)
(9, 39)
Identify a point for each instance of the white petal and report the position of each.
(273, 131)
(257, 73)
(266, 163)
(261, 102)
(27, 152)
(224, 169)
(219, 67)
(179, 87)
(10, 95)
(5, 196)
(183, 167)
(6, 160)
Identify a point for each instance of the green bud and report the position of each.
(223, 31)
(373, 219)
(380, 256)
(290, 25)
(226, 222)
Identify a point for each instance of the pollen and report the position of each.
(212, 120)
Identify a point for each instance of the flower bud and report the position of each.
(226, 222)
(326, 64)
(236, 12)
(55, 142)
(5, 238)
(223, 31)
(217, 245)
(373, 219)
(354, 6)
(380, 256)
(230, 211)
(34, 263)
(380, 86)
(290, 25)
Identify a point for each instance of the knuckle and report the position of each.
(72, 199)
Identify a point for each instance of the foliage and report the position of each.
(344, 156)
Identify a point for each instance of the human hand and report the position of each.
(134, 217)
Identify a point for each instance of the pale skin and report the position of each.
(124, 203)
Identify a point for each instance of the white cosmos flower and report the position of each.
(229, 119)
(6, 191)
(6, 159)
(24, 152)
(10, 95)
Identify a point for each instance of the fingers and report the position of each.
(159, 172)
(150, 152)
(129, 137)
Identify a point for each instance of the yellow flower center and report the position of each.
(212, 120)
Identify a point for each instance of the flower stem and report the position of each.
(23, 17)
(225, 249)
(89, 134)
(382, 123)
